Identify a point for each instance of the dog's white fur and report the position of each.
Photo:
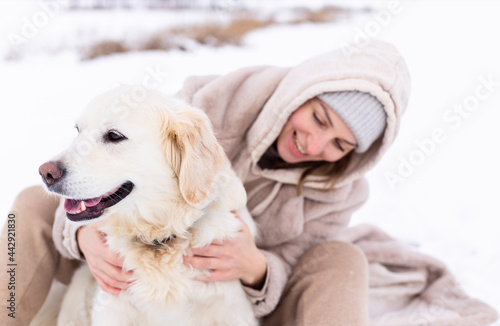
(184, 186)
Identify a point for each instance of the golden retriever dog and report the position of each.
(151, 168)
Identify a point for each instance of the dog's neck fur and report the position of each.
(152, 226)
(136, 238)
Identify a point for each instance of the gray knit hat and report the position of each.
(361, 112)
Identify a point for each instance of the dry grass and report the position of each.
(215, 34)
(103, 49)
(210, 34)
(165, 41)
(324, 15)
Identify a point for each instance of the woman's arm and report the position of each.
(235, 258)
(323, 221)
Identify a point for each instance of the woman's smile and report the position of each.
(295, 146)
(315, 132)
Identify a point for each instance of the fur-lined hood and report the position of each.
(250, 106)
(377, 69)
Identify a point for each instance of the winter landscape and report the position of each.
(436, 189)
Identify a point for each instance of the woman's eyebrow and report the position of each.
(349, 143)
(326, 113)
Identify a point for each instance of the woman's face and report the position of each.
(315, 132)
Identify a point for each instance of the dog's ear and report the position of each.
(193, 152)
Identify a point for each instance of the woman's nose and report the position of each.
(317, 143)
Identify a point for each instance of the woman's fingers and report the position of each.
(233, 258)
(114, 277)
(106, 287)
(111, 278)
(116, 274)
(217, 275)
(205, 262)
(104, 264)
(215, 249)
(110, 257)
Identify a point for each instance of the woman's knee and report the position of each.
(329, 286)
(30, 192)
(34, 202)
(333, 255)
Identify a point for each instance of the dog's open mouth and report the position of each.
(88, 209)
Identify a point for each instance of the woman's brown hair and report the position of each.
(330, 171)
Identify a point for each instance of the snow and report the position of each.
(437, 186)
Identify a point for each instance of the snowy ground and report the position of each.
(436, 188)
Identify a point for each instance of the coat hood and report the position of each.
(377, 69)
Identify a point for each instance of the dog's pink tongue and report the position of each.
(92, 202)
(72, 205)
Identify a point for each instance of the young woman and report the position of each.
(301, 140)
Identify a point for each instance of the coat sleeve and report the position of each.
(324, 219)
(64, 234)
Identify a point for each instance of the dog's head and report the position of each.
(135, 146)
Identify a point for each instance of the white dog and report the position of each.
(151, 167)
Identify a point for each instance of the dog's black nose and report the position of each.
(51, 172)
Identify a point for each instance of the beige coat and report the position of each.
(248, 109)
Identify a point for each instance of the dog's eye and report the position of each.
(114, 136)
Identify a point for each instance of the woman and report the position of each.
(300, 139)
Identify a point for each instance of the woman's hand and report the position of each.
(104, 264)
(236, 258)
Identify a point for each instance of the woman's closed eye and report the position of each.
(318, 119)
(339, 145)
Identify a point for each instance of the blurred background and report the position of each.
(437, 187)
